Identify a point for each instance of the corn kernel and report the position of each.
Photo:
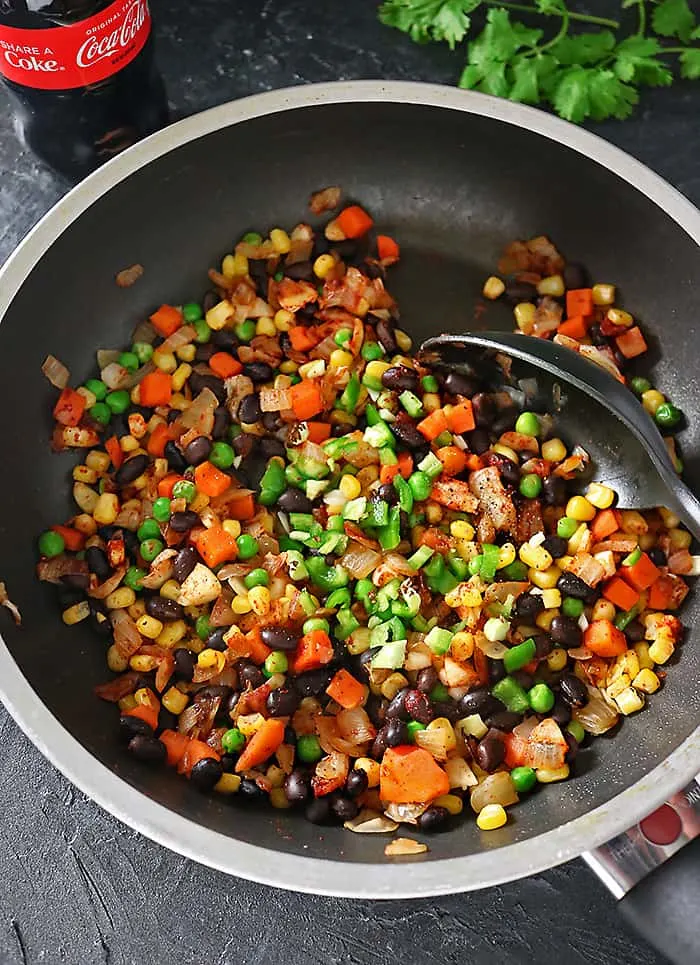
(462, 645)
(186, 353)
(259, 600)
(450, 802)
(403, 340)
(217, 316)
(661, 650)
(210, 659)
(671, 521)
(323, 266)
(620, 317)
(524, 314)
(232, 527)
(74, 614)
(552, 285)
(265, 326)
(651, 400)
(433, 513)
(90, 397)
(550, 775)
(99, 461)
(370, 768)
(431, 402)
(392, 685)
(545, 579)
(350, 487)
(126, 703)
(149, 627)
(227, 266)
(170, 590)
(283, 320)
(551, 599)
(646, 681)
(312, 370)
(281, 241)
(106, 508)
(135, 395)
(137, 609)
(142, 662)
(506, 451)
(240, 265)
(553, 450)
(340, 359)
(506, 555)
(165, 361)
(680, 539)
(128, 444)
(473, 726)
(175, 701)
(84, 474)
(120, 599)
(339, 418)
(171, 634)
(642, 651)
(376, 369)
(580, 509)
(491, 817)
(228, 783)
(115, 661)
(443, 727)
(603, 294)
(603, 610)
(580, 541)
(536, 557)
(200, 502)
(461, 529)
(629, 701)
(181, 375)
(556, 660)
(241, 604)
(249, 724)
(544, 619)
(85, 524)
(493, 288)
(602, 497)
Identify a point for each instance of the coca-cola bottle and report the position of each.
(83, 78)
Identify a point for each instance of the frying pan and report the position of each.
(454, 176)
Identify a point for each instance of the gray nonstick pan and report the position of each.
(454, 176)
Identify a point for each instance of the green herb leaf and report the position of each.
(636, 60)
(488, 77)
(674, 18)
(531, 78)
(690, 64)
(582, 49)
(500, 38)
(556, 7)
(425, 20)
(592, 92)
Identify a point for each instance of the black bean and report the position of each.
(595, 333)
(175, 458)
(657, 556)
(504, 720)
(119, 426)
(244, 444)
(433, 818)
(230, 705)
(447, 708)
(457, 383)
(97, 562)
(294, 501)
(258, 372)
(184, 563)
(272, 447)
(215, 640)
(479, 701)
(399, 378)
(520, 291)
(427, 679)
(225, 340)
(297, 787)
(185, 662)
(197, 451)
(130, 470)
(183, 521)
(528, 605)
(395, 733)
(523, 678)
(397, 706)
(249, 791)
(343, 808)
(131, 726)
(490, 752)
(162, 609)
(573, 747)
(406, 432)
(221, 423)
(385, 337)
(282, 702)
(277, 638)
(313, 682)
(484, 409)
(573, 690)
(272, 421)
(201, 380)
(553, 490)
(576, 276)
(570, 585)
(356, 784)
(98, 617)
(201, 354)
(250, 675)
(496, 671)
(418, 706)
(379, 745)
(258, 272)
(509, 470)
(222, 691)
(634, 631)
(210, 299)
(543, 645)
(346, 249)
(249, 410)
(505, 419)
(318, 811)
(148, 749)
(565, 631)
(300, 271)
(560, 712)
(555, 546)
(228, 762)
(206, 773)
(478, 440)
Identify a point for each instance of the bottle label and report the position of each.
(79, 54)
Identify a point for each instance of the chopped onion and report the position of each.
(144, 332)
(492, 648)
(354, 725)
(128, 276)
(596, 717)
(181, 336)
(525, 728)
(200, 415)
(371, 822)
(580, 653)
(405, 813)
(9, 605)
(102, 591)
(127, 638)
(56, 372)
(121, 686)
(436, 742)
(359, 561)
(459, 773)
(325, 200)
(331, 773)
(273, 400)
(546, 746)
(497, 788)
(162, 569)
(115, 376)
(105, 356)
(51, 571)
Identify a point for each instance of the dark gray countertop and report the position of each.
(77, 886)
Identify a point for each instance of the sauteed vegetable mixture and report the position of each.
(331, 576)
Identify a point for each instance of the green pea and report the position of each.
(372, 351)
(247, 546)
(523, 778)
(245, 330)
(420, 484)
(150, 548)
(233, 741)
(184, 489)
(258, 577)
(430, 383)
(530, 486)
(439, 692)
(276, 662)
(566, 527)
(161, 508)
(413, 726)
(640, 385)
(118, 401)
(51, 544)
(202, 331)
(342, 336)
(252, 238)
(98, 388)
(100, 412)
(308, 749)
(541, 698)
(668, 415)
(129, 361)
(203, 627)
(279, 275)
(134, 578)
(528, 424)
(222, 455)
(149, 529)
(316, 623)
(576, 731)
(143, 351)
(571, 607)
(191, 312)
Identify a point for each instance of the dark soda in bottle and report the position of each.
(82, 76)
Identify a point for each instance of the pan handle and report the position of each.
(654, 871)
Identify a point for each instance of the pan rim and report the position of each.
(381, 879)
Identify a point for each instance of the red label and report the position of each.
(59, 58)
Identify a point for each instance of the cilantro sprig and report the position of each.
(596, 73)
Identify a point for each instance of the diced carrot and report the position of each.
(318, 432)
(214, 545)
(354, 221)
(195, 751)
(453, 460)
(387, 248)
(69, 407)
(474, 462)
(302, 338)
(641, 574)
(661, 593)
(579, 301)
(620, 593)
(147, 712)
(387, 474)
(606, 522)
(262, 744)
(313, 651)
(114, 451)
(436, 539)
(166, 320)
(345, 690)
(409, 775)
(433, 424)
(402, 467)
(225, 365)
(158, 440)
(603, 639)
(460, 418)
(257, 650)
(155, 389)
(167, 483)
(210, 480)
(241, 507)
(73, 538)
(573, 327)
(632, 343)
(516, 750)
(307, 400)
(175, 745)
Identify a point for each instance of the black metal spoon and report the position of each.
(597, 412)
